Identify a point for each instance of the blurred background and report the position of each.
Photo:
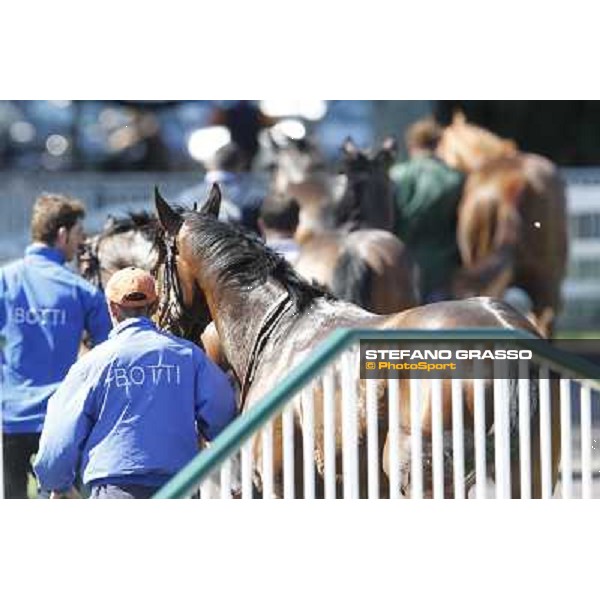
(109, 136)
(111, 153)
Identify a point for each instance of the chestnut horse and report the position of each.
(269, 320)
(512, 225)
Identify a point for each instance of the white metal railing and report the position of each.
(340, 437)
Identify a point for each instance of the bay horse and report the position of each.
(354, 254)
(360, 194)
(301, 172)
(269, 320)
(132, 241)
(512, 224)
(371, 268)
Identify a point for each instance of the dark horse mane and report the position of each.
(134, 220)
(119, 254)
(243, 260)
(352, 279)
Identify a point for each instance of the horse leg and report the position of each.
(403, 464)
(535, 449)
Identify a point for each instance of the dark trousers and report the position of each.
(121, 492)
(18, 450)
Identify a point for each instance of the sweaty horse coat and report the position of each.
(269, 320)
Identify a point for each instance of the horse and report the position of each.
(511, 228)
(123, 242)
(132, 241)
(269, 319)
(356, 256)
(300, 171)
(368, 267)
(361, 194)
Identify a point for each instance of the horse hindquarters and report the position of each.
(375, 271)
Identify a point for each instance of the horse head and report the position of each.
(467, 147)
(366, 198)
(122, 242)
(296, 160)
(183, 307)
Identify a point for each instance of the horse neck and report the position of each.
(366, 201)
(240, 316)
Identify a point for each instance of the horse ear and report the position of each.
(213, 203)
(169, 220)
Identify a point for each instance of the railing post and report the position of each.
(524, 429)
(586, 441)
(394, 437)
(416, 438)
(545, 432)
(372, 439)
(458, 449)
(566, 460)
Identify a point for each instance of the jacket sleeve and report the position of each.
(216, 405)
(69, 420)
(97, 317)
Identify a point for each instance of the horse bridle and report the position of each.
(172, 314)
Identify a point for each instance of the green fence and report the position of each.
(187, 480)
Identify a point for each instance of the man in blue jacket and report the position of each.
(130, 412)
(45, 308)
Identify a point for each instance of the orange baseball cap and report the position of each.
(131, 287)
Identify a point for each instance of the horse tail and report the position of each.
(353, 279)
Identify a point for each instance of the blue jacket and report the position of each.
(44, 310)
(130, 410)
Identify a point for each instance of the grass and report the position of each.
(577, 335)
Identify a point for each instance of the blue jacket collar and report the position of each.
(136, 322)
(48, 252)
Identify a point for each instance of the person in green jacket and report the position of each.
(427, 195)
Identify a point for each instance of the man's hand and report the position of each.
(71, 494)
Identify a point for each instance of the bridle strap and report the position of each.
(272, 318)
(172, 313)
